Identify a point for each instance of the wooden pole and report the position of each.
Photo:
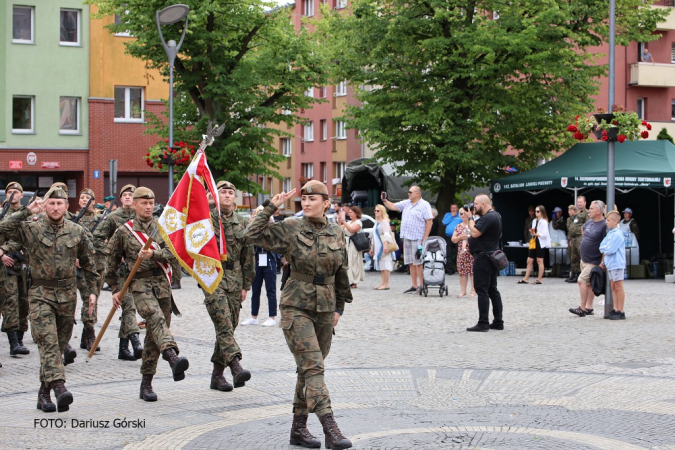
(122, 293)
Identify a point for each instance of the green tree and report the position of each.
(664, 136)
(453, 88)
(242, 63)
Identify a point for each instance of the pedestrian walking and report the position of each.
(540, 233)
(312, 302)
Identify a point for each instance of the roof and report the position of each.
(637, 164)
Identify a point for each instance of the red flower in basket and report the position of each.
(644, 134)
(621, 138)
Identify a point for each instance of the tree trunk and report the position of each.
(446, 196)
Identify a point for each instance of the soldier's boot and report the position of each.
(179, 364)
(14, 347)
(300, 435)
(147, 393)
(83, 339)
(63, 397)
(576, 278)
(334, 437)
(91, 338)
(239, 375)
(124, 352)
(44, 402)
(69, 355)
(19, 336)
(218, 381)
(175, 285)
(571, 277)
(136, 345)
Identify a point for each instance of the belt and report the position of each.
(231, 265)
(314, 279)
(149, 273)
(65, 282)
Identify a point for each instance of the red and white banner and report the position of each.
(186, 225)
(142, 238)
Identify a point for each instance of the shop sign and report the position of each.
(16, 164)
(50, 165)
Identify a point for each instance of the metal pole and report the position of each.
(170, 126)
(609, 300)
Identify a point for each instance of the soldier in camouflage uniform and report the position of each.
(312, 301)
(13, 285)
(224, 304)
(129, 329)
(578, 217)
(57, 244)
(151, 288)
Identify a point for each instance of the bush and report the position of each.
(664, 136)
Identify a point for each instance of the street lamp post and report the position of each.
(609, 301)
(171, 14)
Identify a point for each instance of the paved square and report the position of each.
(402, 372)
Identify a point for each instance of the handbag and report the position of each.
(533, 241)
(499, 259)
(360, 241)
(392, 247)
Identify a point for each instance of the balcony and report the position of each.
(669, 23)
(652, 75)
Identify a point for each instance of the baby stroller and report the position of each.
(433, 266)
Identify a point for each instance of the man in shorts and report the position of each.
(592, 234)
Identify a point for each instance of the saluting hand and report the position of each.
(282, 197)
(37, 206)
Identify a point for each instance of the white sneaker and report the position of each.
(250, 321)
(270, 323)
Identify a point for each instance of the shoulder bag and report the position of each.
(533, 241)
(391, 246)
(498, 257)
(360, 241)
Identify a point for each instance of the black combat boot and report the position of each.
(44, 402)
(83, 339)
(570, 278)
(14, 347)
(124, 352)
(147, 393)
(218, 381)
(19, 336)
(239, 375)
(136, 345)
(334, 437)
(63, 397)
(300, 435)
(69, 355)
(90, 338)
(179, 364)
(175, 285)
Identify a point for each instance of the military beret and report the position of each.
(109, 198)
(128, 187)
(99, 206)
(14, 185)
(314, 187)
(143, 192)
(63, 186)
(88, 192)
(225, 185)
(574, 207)
(56, 192)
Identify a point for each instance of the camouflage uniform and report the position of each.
(574, 224)
(87, 221)
(224, 304)
(177, 274)
(13, 290)
(150, 288)
(317, 288)
(52, 295)
(102, 235)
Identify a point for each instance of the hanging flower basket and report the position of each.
(618, 126)
(160, 155)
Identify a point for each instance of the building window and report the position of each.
(310, 92)
(340, 130)
(286, 187)
(128, 104)
(308, 170)
(69, 115)
(322, 92)
(70, 27)
(285, 112)
(339, 4)
(119, 20)
(641, 108)
(324, 130)
(23, 114)
(309, 132)
(309, 8)
(341, 89)
(286, 146)
(324, 172)
(672, 52)
(672, 110)
(23, 20)
(339, 170)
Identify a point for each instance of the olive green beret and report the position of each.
(14, 185)
(63, 186)
(56, 192)
(128, 187)
(314, 187)
(143, 192)
(88, 192)
(225, 185)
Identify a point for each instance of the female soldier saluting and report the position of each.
(312, 301)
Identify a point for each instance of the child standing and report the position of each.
(613, 246)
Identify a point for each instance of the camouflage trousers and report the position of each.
(574, 247)
(309, 335)
(89, 320)
(224, 308)
(158, 338)
(15, 308)
(177, 274)
(51, 323)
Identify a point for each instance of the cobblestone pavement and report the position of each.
(403, 373)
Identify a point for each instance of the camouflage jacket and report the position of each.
(108, 226)
(124, 245)
(87, 221)
(310, 248)
(56, 249)
(575, 222)
(10, 248)
(239, 250)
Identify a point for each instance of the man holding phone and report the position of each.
(416, 222)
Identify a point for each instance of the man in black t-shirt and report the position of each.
(486, 231)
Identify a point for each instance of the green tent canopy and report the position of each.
(639, 164)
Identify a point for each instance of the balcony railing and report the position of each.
(669, 23)
(652, 75)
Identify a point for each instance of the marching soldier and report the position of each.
(224, 304)
(15, 308)
(57, 244)
(129, 329)
(151, 287)
(312, 301)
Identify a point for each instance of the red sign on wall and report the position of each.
(16, 164)
(50, 165)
